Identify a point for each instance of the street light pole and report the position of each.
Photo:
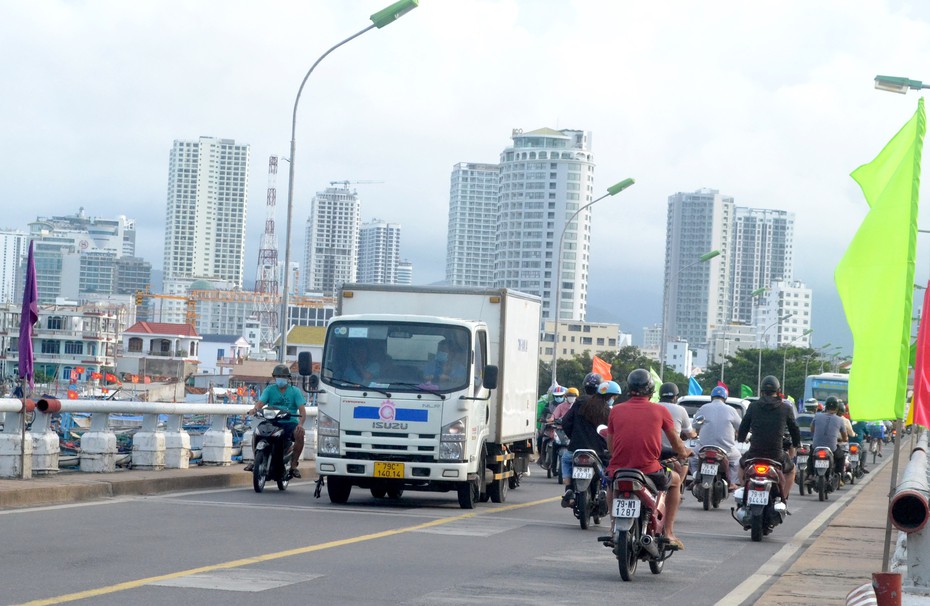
(378, 20)
(811, 354)
(663, 345)
(784, 362)
(611, 191)
(759, 379)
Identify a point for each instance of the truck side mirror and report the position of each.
(305, 363)
(490, 377)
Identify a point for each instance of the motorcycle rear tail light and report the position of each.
(710, 455)
(821, 454)
(853, 448)
(584, 460)
(627, 486)
(761, 469)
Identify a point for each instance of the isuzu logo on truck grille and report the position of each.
(388, 425)
(386, 411)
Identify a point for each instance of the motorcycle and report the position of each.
(553, 447)
(638, 523)
(588, 484)
(846, 474)
(856, 461)
(826, 480)
(272, 454)
(710, 484)
(800, 478)
(759, 506)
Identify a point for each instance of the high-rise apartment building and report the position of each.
(545, 176)
(78, 255)
(696, 293)
(783, 314)
(208, 182)
(472, 235)
(404, 272)
(13, 247)
(331, 249)
(378, 252)
(762, 252)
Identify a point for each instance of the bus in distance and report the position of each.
(825, 385)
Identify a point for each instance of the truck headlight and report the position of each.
(328, 445)
(326, 425)
(452, 440)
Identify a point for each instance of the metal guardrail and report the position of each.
(910, 511)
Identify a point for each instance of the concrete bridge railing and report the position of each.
(37, 451)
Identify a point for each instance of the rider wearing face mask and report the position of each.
(284, 396)
(580, 424)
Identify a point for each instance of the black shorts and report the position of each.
(662, 478)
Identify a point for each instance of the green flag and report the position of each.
(875, 277)
(745, 391)
(658, 381)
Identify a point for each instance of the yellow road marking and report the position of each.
(90, 593)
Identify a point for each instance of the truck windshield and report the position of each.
(397, 356)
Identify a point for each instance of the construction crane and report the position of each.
(190, 312)
(346, 183)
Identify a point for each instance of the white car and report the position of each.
(693, 403)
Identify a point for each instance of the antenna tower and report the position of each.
(266, 277)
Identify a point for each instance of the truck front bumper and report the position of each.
(390, 470)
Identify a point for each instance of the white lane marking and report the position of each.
(105, 501)
(473, 527)
(238, 579)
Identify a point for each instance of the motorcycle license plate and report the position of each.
(758, 497)
(854, 458)
(389, 470)
(583, 473)
(709, 469)
(626, 508)
(821, 464)
(802, 459)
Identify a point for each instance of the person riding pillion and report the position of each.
(827, 430)
(284, 396)
(580, 424)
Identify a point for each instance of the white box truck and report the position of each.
(427, 388)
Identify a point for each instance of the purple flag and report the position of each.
(29, 316)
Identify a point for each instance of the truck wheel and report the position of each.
(395, 492)
(467, 493)
(497, 490)
(378, 492)
(338, 489)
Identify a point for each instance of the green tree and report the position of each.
(742, 368)
(572, 371)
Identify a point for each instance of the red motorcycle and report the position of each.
(638, 526)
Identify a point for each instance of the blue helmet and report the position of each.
(719, 392)
(609, 388)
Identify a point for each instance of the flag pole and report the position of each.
(886, 555)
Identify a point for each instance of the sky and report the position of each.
(769, 102)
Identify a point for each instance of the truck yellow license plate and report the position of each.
(389, 470)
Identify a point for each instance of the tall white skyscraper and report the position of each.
(208, 183)
(696, 293)
(378, 252)
(472, 235)
(13, 247)
(762, 252)
(545, 176)
(331, 249)
(782, 298)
